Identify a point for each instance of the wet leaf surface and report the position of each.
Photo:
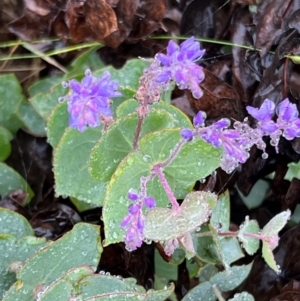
(235, 77)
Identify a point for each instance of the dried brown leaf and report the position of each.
(219, 99)
(100, 17)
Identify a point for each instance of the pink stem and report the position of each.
(158, 171)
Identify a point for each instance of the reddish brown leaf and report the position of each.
(100, 17)
(219, 99)
(125, 12)
(149, 16)
(75, 20)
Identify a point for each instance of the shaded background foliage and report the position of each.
(235, 77)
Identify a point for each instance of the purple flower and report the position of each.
(90, 99)
(186, 134)
(288, 121)
(132, 195)
(264, 116)
(149, 202)
(199, 119)
(134, 222)
(287, 111)
(179, 65)
(264, 113)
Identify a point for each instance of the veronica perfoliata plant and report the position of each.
(138, 158)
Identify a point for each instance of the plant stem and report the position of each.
(138, 132)
(217, 293)
(254, 235)
(228, 234)
(158, 171)
(173, 154)
(203, 234)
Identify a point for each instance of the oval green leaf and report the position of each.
(71, 166)
(250, 244)
(57, 123)
(129, 106)
(117, 142)
(5, 146)
(10, 180)
(80, 246)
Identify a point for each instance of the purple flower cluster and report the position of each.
(178, 66)
(286, 125)
(134, 221)
(237, 142)
(90, 99)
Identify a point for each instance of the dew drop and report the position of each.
(65, 84)
(146, 158)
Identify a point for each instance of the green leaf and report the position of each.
(32, 121)
(14, 253)
(207, 272)
(202, 291)
(196, 159)
(293, 171)
(128, 76)
(57, 124)
(250, 244)
(269, 257)
(67, 286)
(227, 282)
(220, 217)
(5, 146)
(257, 194)
(205, 246)
(10, 180)
(81, 206)
(228, 249)
(177, 257)
(276, 223)
(192, 267)
(117, 142)
(71, 166)
(80, 246)
(44, 85)
(87, 60)
(44, 103)
(271, 238)
(129, 106)
(223, 281)
(164, 269)
(14, 223)
(10, 99)
(163, 224)
(244, 296)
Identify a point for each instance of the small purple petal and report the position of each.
(287, 111)
(134, 208)
(265, 112)
(222, 123)
(140, 223)
(199, 119)
(149, 202)
(132, 195)
(187, 134)
(164, 59)
(127, 219)
(268, 127)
